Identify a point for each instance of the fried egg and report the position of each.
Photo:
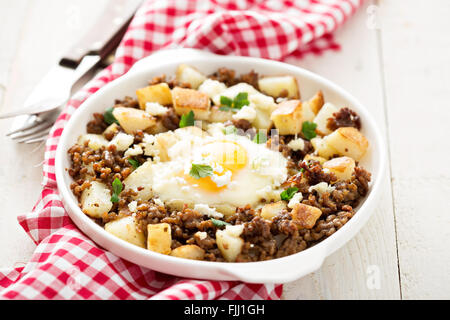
(243, 172)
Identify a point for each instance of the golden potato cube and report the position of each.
(163, 142)
(125, 229)
(159, 93)
(316, 102)
(322, 148)
(305, 216)
(276, 85)
(140, 181)
(342, 167)
(186, 100)
(158, 127)
(229, 241)
(348, 141)
(96, 200)
(132, 120)
(189, 74)
(111, 130)
(287, 117)
(189, 251)
(270, 210)
(159, 238)
(322, 117)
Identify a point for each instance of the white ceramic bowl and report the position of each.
(273, 271)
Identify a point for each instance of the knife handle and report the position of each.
(106, 33)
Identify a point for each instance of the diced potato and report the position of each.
(122, 141)
(217, 115)
(111, 130)
(342, 167)
(189, 251)
(246, 113)
(131, 119)
(316, 102)
(305, 216)
(126, 229)
(189, 74)
(233, 91)
(287, 117)
(158, 127)
(262, 120)
(348, 141)
(229, 241)
(315, 158)
(270, 210)
(212, 87)
(140, 180)
(96, 141)
(186, 100)
(159, 238)
(262, 102)
(96, 200)
(274, 86)
(159, 93)
(322, 118)
(322, 148)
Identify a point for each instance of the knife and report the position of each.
(54, 89)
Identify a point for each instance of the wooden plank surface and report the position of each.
(398, 71)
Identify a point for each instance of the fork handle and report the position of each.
(106, 33)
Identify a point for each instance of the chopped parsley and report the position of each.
(288, 193)
(108, 116)
(235, 104)
(117, 188)
(187, 120)
(219, 223)
(200, 170)
(309, 129)
(260, 137)
(134, 163)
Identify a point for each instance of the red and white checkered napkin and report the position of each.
(68, 265)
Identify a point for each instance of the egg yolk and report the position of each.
(225, 156)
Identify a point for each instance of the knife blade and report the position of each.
(55, 87)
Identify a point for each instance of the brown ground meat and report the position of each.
(170, 119)
(96, 125)
(344, 118)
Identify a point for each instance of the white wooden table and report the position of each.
(395, 58)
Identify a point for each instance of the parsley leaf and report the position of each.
(237, 103)
(108, 116)
(288, 193)
(187, 120)
(134, 163)
(309, 130)
(219, 223)
(200, 171)
(117, 189)
(260, 137)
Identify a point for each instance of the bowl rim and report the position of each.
(319, 251)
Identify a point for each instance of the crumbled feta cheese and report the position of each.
(295, 199)
(148, 143)
(222, 180)
(234, 230)
(201, 235)
(261, 101)
(321, 188)
(135, 151)
(246, 113)
(158, 202)
(281, 99)
(132, 206)
(206, 210)
(296, 144)
(212, 87)
(155, 109)
(122, 141)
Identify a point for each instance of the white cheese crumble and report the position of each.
(212, 87)
(135, 151)
(155, 109)
(132, 206)
(295, 199)
(321, 188)
(222, 180)
(122, 141)
(296, 144)
(201, 235)
(246, 113)
(158, 202)
(206, 210)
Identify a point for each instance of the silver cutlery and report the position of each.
(33, 122)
